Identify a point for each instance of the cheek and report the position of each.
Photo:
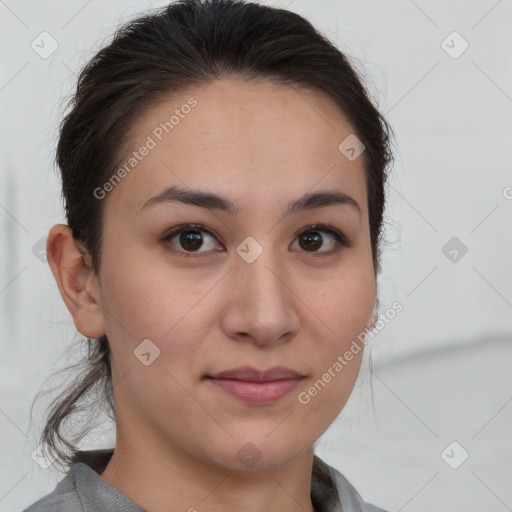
(342, 304)
(343, 307)
(337, 357)
(147, 297)
(145, 303)
(145, 300)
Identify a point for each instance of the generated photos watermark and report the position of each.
(137, 156)
(304, 397)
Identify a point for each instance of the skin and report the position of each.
(260, 145)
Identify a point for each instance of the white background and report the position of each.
(441, 367)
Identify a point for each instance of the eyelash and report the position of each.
(341, 240)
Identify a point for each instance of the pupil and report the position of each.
(191, 239)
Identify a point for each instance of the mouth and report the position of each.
(256, 386)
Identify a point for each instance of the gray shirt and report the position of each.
(83, 490)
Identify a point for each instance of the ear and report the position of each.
(78, 284)
(374, 314)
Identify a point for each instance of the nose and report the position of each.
(261, 306)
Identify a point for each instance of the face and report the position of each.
(253, 286)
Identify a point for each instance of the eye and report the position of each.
(311, 239)
(190, 238)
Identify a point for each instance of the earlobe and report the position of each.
(73, 275)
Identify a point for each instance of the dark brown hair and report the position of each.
(187, 43)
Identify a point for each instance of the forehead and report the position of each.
(254, 142)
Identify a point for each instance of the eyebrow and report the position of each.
(211, 200)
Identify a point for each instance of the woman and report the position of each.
(223, 173)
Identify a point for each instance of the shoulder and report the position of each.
(77, 490)
(348, 497)
(64, 498)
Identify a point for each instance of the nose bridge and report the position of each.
(260, 279)
(261, 302)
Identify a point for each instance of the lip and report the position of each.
(257, 386)
(251, 374)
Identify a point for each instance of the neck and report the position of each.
(181, 482)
